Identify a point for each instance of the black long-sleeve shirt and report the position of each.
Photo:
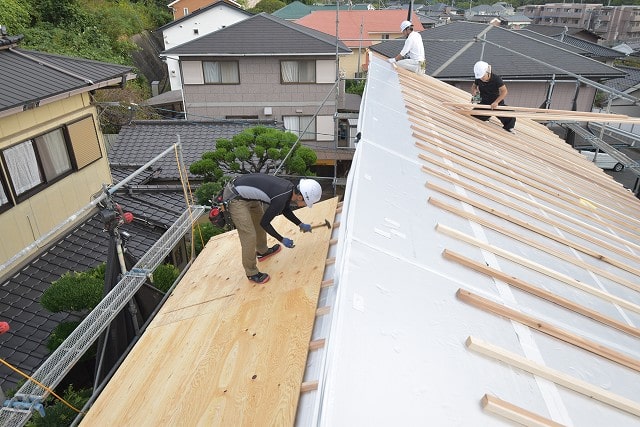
(274, 191)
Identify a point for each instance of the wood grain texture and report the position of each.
(224, 351)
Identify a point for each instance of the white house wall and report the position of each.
(206, 22)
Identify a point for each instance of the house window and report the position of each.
(185, 11)
(221, 72)
(4, 200)
(37, 161)
(298, 71)
(298, 124)
(385, 37)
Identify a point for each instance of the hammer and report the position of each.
(325, 223)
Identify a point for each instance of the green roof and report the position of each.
(297, 9)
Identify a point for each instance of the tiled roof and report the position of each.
(30, 76)
(141, 141)
(629, 81)
(451, 53)
(593, 50)
(261, 35)
(374, 23)
(25, 345)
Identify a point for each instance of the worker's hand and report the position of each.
(494, 105)
(392, 60)
(305, 228)
(287, 242)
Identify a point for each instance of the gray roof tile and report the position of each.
(261, 35)
(451, 50)
(141, 141)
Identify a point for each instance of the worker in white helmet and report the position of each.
(253, 201)
(411, 56)
(491, 90)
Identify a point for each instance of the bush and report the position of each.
(57, 413)
(74, 292)
(206, 231)
(164, 276)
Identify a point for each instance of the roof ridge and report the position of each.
(53, 67)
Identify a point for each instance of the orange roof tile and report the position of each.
(374, 24)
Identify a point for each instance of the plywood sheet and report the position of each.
(222, 350)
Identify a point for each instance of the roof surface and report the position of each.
(297, 9)
(141, 141)
(451, 51)
(30, 76)
(261, 35)
(591, 50)
(446, 222)
(629, 82)
(355, 25)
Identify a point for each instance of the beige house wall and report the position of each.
(29, 219)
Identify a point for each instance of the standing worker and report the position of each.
(492, 92)
(411, 57)
(245, 196)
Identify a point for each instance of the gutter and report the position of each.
(116, 81)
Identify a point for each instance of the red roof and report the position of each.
(374, 24)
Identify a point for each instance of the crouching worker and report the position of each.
(411, 57)
(253, 201)
(492, 91)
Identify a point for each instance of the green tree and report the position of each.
(255, 150)
(268, 6)
(15, 16)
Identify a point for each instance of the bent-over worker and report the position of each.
(246, 197)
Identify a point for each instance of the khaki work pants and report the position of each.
(246, 216)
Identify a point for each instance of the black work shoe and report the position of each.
(271, 251)
(259, 278)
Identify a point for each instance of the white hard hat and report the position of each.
(310, 190)
(480, 69)
(405, 25)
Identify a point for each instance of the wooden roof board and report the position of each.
(224, 351)
(526, 205)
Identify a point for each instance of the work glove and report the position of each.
(392, 60)
(287, 242)
(305, 228)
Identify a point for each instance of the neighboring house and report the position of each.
(51, 145)
(555, 31)
(266, 68)
(182, 8)
(359, 30)
(536, 72)
(296, 9)
(589, 48)
(54, 164)
(515, 21)
(198, 23)
(155, 198)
